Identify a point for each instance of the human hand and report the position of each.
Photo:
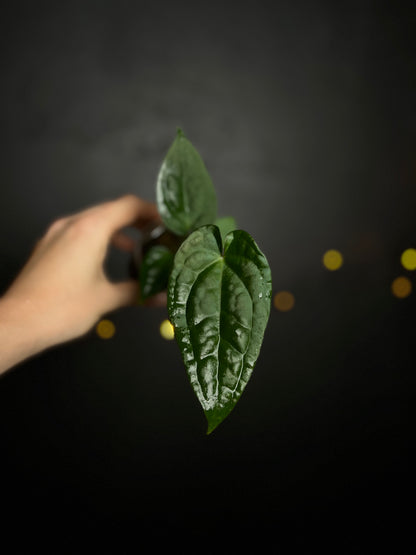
(62, 290)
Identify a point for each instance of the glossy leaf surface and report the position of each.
(185, 194)
(219, 304)
(155, 271)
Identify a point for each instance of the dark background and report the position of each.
(304, 113)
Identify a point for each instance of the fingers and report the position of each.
(129, 210)
(121, 294)
(158, 300)
(127, 293)
(123, 242)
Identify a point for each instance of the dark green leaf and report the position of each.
(155, 270)
(219, 304)
(185, 194)
(225, 225)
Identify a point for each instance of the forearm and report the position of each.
(20, 332)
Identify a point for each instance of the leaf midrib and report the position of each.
(250, 329)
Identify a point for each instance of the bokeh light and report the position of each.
(167, 330)
(105, 329)
(408, 259)
(284, 301)
(332, 260)
(401, 287)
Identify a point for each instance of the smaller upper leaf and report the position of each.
(155, 270)
(185, 194)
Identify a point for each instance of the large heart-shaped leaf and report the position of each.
(185, 194)
(219, 305)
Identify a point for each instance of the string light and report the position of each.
(401, 287)
(332, 260)
(284, 301)
(167, 330)
(408, 259)
(105, 329)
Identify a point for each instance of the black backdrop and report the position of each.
(304, 113)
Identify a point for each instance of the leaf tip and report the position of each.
(213, 419)
(210, 429)
(179, 133)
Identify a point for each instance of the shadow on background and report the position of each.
(304, 114)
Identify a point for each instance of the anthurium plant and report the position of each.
(217, 280)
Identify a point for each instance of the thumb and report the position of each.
(121, 294)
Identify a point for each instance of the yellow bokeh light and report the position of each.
(401, 287)
(105, 329)
(167, 330)
(408, 259)
(284, 301)
(332, 260)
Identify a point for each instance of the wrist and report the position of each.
(20, 332)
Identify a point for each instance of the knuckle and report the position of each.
(84, 225)
(129, 197)
(132, 201)
(56, 226)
